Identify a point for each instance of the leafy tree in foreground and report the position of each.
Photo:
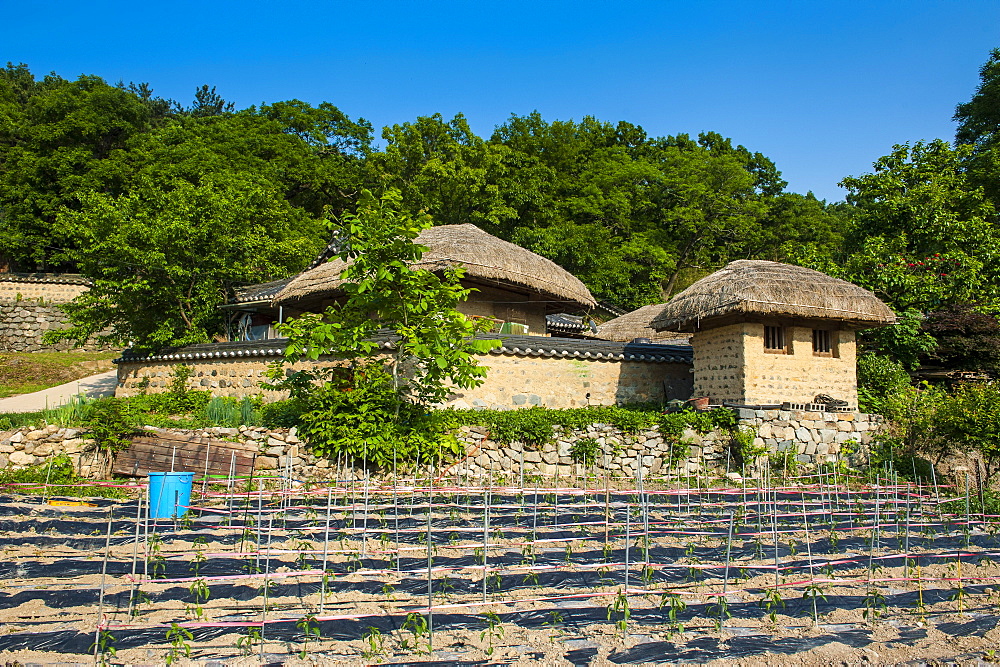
(970, 420)
(165, 257)
(377, 407)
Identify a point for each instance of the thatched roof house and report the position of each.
(512, 285)
(748, 288)
(484, 257)
(638, 324)
(767, 333)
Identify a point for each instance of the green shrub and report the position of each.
(111, 424)
(363, 417)
(533, 426)
(970, 420)
(12, 420)
(282, 414)
(61, 476)
(585, 451)
(250, 411)
(879, 379)
(537, 425)
(220, 411)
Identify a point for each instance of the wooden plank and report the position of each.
(162, 436)
(153, 453)
(216, 455)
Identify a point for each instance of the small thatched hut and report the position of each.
(513, 285)
(636, 325)
(769, 333)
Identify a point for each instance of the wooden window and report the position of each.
(774, 340)
(822, 346)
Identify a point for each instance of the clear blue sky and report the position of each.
(822, 88)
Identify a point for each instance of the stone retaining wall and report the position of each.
(25, 447)
(809, 437)
(278, 448)
(29, 307)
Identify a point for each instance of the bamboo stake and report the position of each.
(326, 547)
(104, 571)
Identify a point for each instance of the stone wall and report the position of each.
(45, 287)
(540, 373)
(23, 324)
(29, 307)
(808, 437)
(516, 381)
(813, 437)
(278, 448)
(25, 447)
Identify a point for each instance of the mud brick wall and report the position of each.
(511, 382)
(719, 363)
(799, 375)
(731, 365)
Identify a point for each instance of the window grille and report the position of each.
(821, 342)
(774, 339)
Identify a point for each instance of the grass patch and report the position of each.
(25, 372)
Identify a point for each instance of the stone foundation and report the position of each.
(812, 437)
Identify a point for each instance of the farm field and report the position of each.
(822, 569)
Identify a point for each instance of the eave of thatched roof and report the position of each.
(482, 255)
(755, 288)
(637, 324)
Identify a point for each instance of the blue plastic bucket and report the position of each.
(169, 494)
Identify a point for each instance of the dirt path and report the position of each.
(94, 386)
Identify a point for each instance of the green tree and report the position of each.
(53, 133)
(979, 128)
(922, 236)
(922, 194)
(970, 420)
(376, 409)
(61, 141)
(433, 349)
(630, 215)
(165, 256)
(979, 118)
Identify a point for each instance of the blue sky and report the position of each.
(822, 88)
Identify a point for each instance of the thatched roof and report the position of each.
(637, 324)
(758, 288)
(483, 256)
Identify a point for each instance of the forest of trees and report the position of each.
(168, 208)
